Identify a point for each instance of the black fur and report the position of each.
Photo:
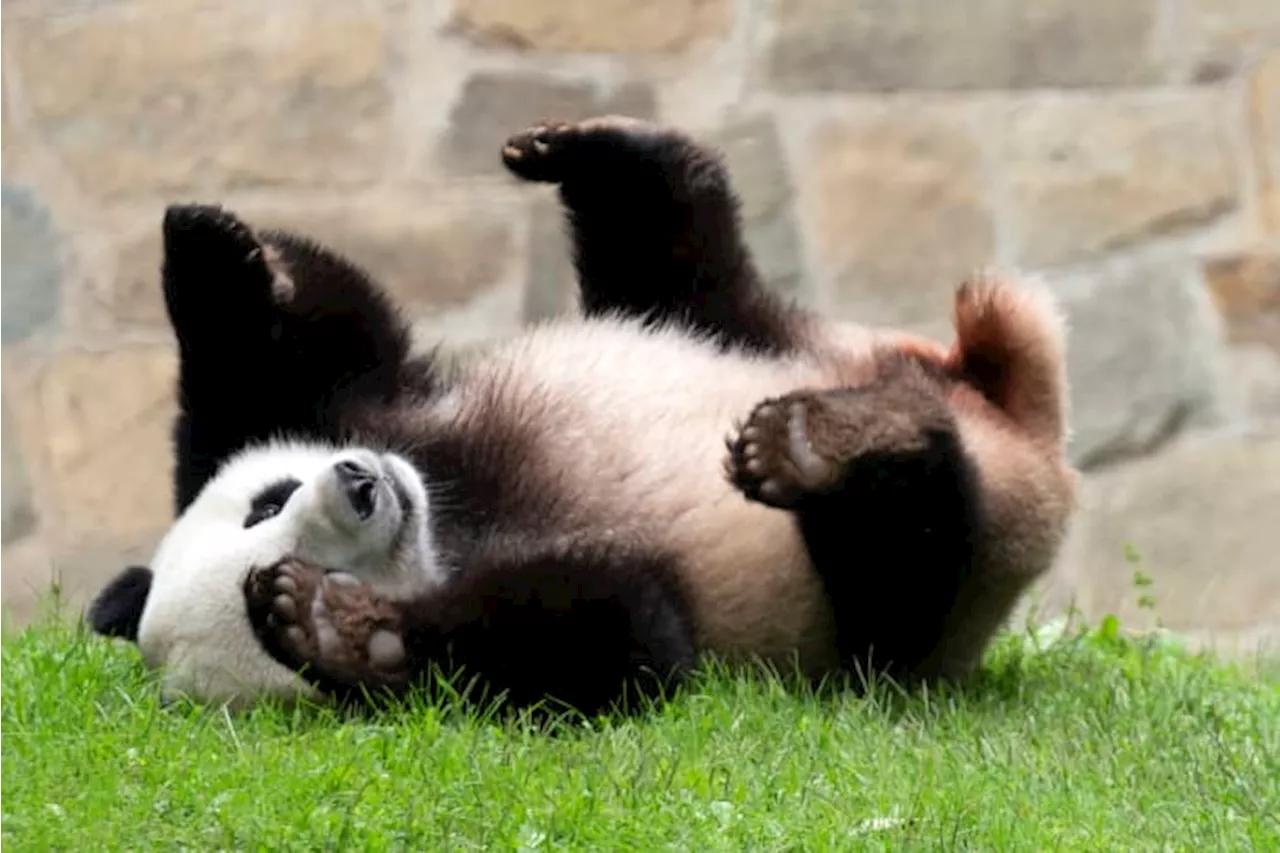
(117, 610)
(893, 588)
(589, 628)
(655, 229)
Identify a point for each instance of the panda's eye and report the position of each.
(270, 501)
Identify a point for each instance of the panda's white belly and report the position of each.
(635, 425)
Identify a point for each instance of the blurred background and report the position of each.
(1127, 150)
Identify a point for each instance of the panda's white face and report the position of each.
(348, 509)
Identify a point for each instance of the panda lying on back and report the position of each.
(560, 514)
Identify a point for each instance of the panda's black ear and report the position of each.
(117, 610)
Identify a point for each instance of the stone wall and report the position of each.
(1129, 150)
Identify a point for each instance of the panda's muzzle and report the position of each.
(359, 485)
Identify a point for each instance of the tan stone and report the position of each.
(430, 255)
(26, 582)
(1246, 288)
(870, 45)
(592, 26)
(1200, 521)
(1265, 108)
(898, 217)
(169, 95)
(19, 515)
(103, 423)
(1225, 34)
(1087, 174)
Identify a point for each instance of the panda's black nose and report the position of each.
(359, 484)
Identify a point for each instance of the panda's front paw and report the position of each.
(216, 270)
(773, 458)
(549, 152)
(330, 627)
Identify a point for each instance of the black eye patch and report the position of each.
(270, 501)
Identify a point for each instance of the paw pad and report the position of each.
(771, 459)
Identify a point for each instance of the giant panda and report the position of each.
(583, 512)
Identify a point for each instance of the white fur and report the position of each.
(194, 627)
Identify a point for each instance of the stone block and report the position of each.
(1199, 521)
(1087, 174)
(1144, 356)
(430, 254)
(494, 105)
(99, 424)
(592, 26)
(184, 96)
(32, 265)
(1246, 288)
(894, 201)
(19, 512)
(25, 582)
(23, 9)
(1224, 35)
(865, 45)
(1264, 103)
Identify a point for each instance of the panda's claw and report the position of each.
(547, 152)
(332, 628)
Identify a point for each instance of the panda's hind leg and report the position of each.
(886, 498)
(655, 228)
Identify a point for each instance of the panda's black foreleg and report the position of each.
(655, 228)
(586, 632)
(886, 498)
(273, 334)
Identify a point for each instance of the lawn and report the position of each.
(1090, 742)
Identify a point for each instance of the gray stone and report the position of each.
(1225, 35)
(757, 166)
(1088, 174)
(22, 9)
(32, 267)
(598, 26)
(19, 511)
(494, 105)
(868, 45)
(1144, 356)
(1200, 521)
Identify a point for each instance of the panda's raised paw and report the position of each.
(329, 626)
(773, 460)
(547, 151)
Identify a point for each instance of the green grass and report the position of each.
(1096, 742)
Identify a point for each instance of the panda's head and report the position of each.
(349, 509)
